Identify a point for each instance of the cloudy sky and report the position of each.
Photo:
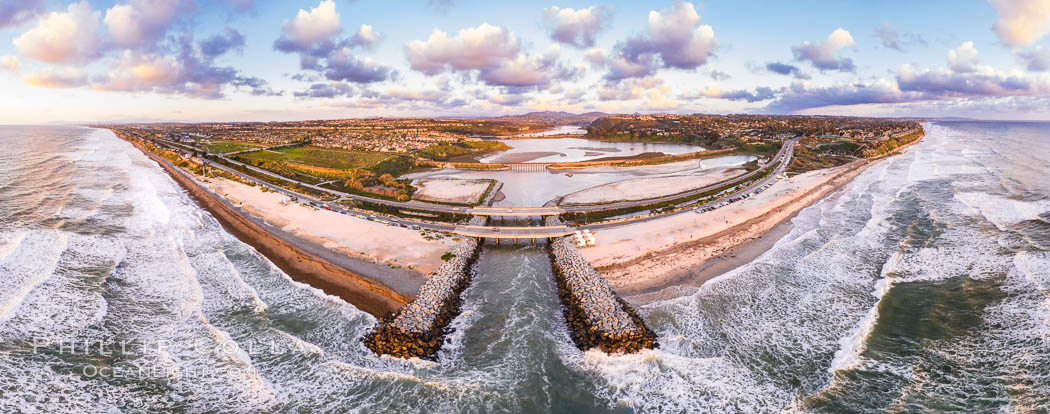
(144, 60)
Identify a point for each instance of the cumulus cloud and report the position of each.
(576, 27)
(678, 37)
(630, 89)
(912, 85)
(472, 48)
(309, 28)
(1021, 22)
(344, 66)
(427, 95)
(219, 44)
(527, 71)
(493, 53)
(16, 12)
(326, 90)
(801, 96)
(314, 36)
(137, 60)
(401, 98)
(365, 37)
(675, 39)
(506, 99)
(619, 66)
(140, 22)
(1036, 59)
(10, 63)
(720, 76)
(892, 38)
(786, 69)
(983, 81)
(63, 37)
(822, 54)
(761, 93)
(50, 78)
(189, 71)
(963, 58)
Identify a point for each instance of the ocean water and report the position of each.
(924, 285)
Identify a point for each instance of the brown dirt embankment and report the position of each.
(365, 294)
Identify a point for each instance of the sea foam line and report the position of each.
(38, 277)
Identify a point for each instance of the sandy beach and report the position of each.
(681, 251)
(674, 255)
(298, 260)
(395, 247)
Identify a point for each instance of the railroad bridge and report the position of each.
(528, 166)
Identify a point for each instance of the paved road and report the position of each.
(514, 232)
(784, 154)
(522, 211)
(714, 203)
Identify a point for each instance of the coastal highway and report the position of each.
(783, 156)
(790, 152)
(787, 148)
(785, 153)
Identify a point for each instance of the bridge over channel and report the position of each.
(506, 232)
(528, 166)
(514, 211)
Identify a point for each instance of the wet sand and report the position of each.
(751, 230)
(683, 268)
(290, 255)
(687, 282)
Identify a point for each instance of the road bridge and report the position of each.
(492, 232)
(514, 211)
(783, 156)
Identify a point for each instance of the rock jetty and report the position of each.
(418, 329)
(595, 315)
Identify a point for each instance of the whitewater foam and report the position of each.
(1004, 212)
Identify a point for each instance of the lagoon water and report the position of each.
(561, 130)
(530, 189)
(578, 149)
(924, 285)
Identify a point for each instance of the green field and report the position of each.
(456, 151)
(322, 157)
(222, 147)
